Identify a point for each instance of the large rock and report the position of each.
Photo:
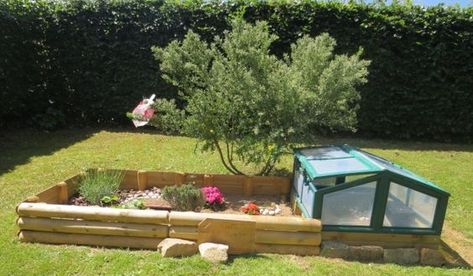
(177, 248)
(403, 256)
(431, 257)
(214, 252)
(334, 249)
(366, 253)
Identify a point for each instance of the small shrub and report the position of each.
(183, 198)
(97, 184)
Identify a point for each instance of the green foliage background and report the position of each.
(87, 62)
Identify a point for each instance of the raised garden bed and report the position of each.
(46, 218)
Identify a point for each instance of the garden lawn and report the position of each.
(32, 161)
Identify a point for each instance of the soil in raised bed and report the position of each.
(233, 203)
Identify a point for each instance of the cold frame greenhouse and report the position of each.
(355, 191)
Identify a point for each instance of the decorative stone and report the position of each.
(171, 247)
(403, 256)
(431, 257)
(214, 252)
(334, 249)
(271, 213)
(157, 204)
(265, 212)
(366, 253)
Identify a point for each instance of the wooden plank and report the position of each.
(93, 227)
(238, 235)
(248, 186)
(142, 180)
(208, 180)
(92, 213)
(288, 238)
(179, 178)
(267, 185)
(130, 180)
(383, 239)
(229, 184)
(183, 232)
(160, 179)
(94, 240)
(193, 219)
(194, 178)
(289, 224)
(63, 192)
(73, 184)
(50, 195)
(275, 223)
(301, 250)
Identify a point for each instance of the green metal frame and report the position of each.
(383, 178)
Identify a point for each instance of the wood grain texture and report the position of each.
(288, 238)
(238, 235)
(92, 213)
(94, 240)
(93, 227)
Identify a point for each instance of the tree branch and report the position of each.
(222, 158)
(230, 159)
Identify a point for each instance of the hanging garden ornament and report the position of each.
(143, 112)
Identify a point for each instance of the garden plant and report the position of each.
(99, 186)
(249, 105)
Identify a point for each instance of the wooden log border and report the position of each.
(144, 229)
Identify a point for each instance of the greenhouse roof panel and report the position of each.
(335, 160)
(330, 166)
(343, 160)
(397, 169)
(325, 153)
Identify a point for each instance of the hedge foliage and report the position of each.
(86, 62)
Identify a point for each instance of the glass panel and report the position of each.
(409, 208)
(308, 198)
(299, 181)
(352, 206)
(337, 165)
(325, 182)
(389, 165)
(325, 153)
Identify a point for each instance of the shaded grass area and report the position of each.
(32, 161)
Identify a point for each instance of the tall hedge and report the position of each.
(87, 62)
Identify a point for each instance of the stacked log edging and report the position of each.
(63, 224)
(43, 218)
(286, 235)
(144, 229)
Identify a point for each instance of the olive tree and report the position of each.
(251, 106)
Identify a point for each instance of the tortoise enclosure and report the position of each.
(45, 218)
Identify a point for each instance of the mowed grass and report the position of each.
(32, 161)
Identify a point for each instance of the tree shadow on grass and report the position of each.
(19, 146)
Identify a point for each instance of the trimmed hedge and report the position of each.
(88, 62)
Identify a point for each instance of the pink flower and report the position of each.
(213, 196)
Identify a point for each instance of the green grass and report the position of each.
(32, 161)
